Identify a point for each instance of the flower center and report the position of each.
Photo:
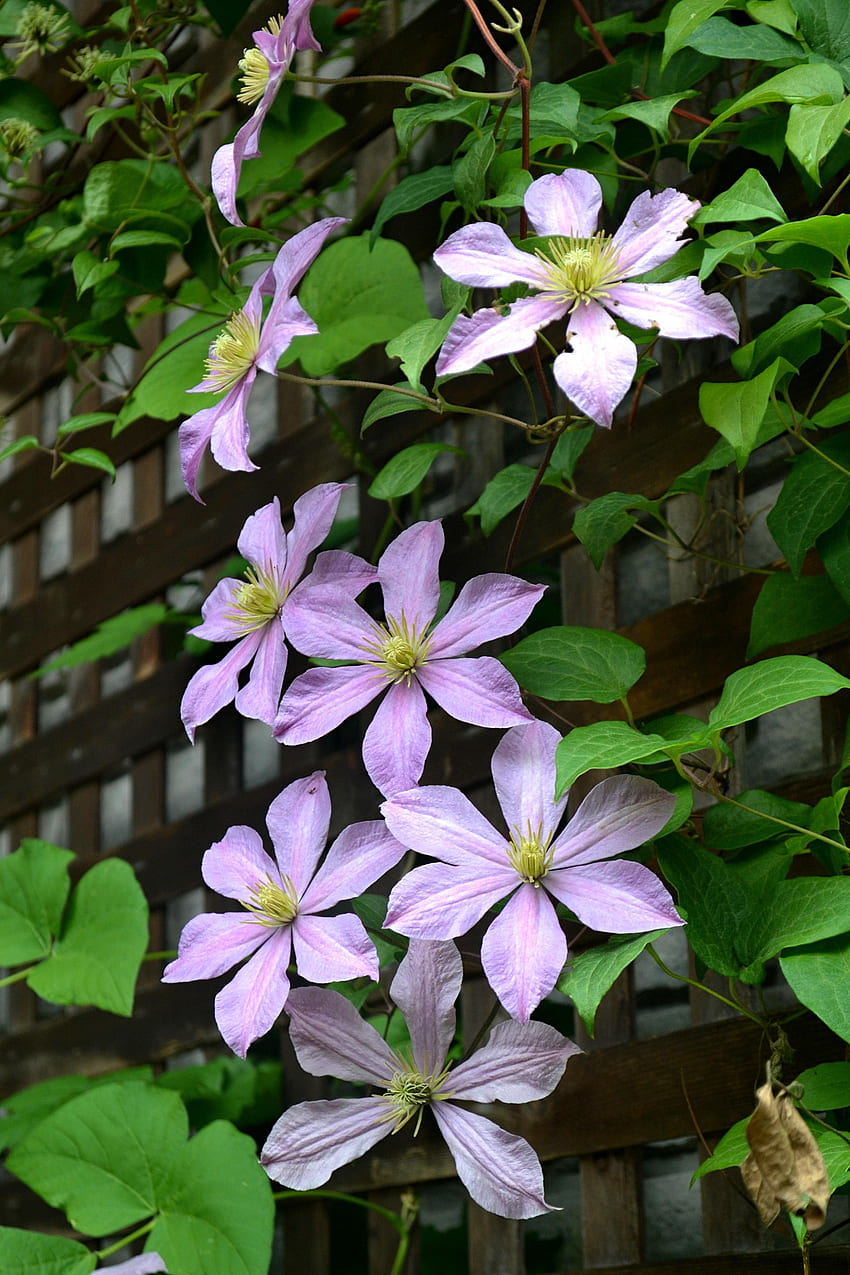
(398, 649)
(580, 269)
(233, 351)
(530, 854)
(258, 601)
(272, 906)
(255, 75)
(409, 1093)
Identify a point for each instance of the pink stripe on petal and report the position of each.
(597, 372)
(478, 690)
(313, 1139)
(425, 989)
(487, 607)
(524, 951)
(330, 949)
(233, 866)
(313, 515)
(441, 901)
(483, 256)
(215, 685)
(617, 815)
(318, 700)
(298, 820)
(409, 575)
(521, 1062)
(397, 740)
(286, 320)
(442, 823)
(230, 433)
(251, 1002)
(524, 777)
(679, 309)
(499, 1170)
(259, 698)
(217, 624)
(324, 621)
(262, 540)
(487, 334)
(651, 231)
(300, 251)
(565, 204)
(361, 854)
(331, 1039)
(618, 897)
(211, 944)
(194, 436)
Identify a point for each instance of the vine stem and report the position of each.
(128, 1239)
(16, 977)
(320, 1194)
(490, 39)
(701, 987)
(785, 823)
(527, 503)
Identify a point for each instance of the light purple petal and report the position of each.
(215, 685)
(487, 334)
(318, 700)
(331, 1039)
(234, 866)
(652, 230)
(230, 433)
(213, 943)
(361, 854)
(224, 178)
(313, 1139)
(342, 570)
(286, 320)
(313, 515)
(295, 29)
(565, 204)
(144, 1264)
(482, 255)
(619, 897)
(260, 696)
(618, 815)
(409, 576)
(442, 823)
(250, 1003)
(478, 690)
(425, 989)
(298, 254)
(679, 309)
(524, 951)
(193, 437)
(487, 607)
(499, 1170)
(520, 1062)
(324, 621)
(217, 624)
(442, 901)
(524, 777)
(330, 949)
(598, 371)
(397, 740)
(298, 820)
(262, 540)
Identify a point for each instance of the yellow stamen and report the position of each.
(398, 649)
(272, 906)
(530, 854)
(259, 600)
(410, 1092)
(580, 269)
(233, 351)
(254, 66)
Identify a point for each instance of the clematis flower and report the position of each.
(283, 901)
(263, 68)
(144, 1264)
(535, 866)
(585, 274)
(519, 1063)
(405, 656)
(245, 345)
(253, 612)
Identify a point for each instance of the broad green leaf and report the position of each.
(684, 732)
(799, 911)
(600, 524)
(748, 199)
(96, 959)
(406, 470)
(570, 663)
(728, 827)
(372, 908)
(111, 636)
(684, 18)
(92, 458)
(788, 609)
(731, 1150)
(175, 367)
(410, 121)
(88, 420)
(826, 1087)
(838, 411)
(719, 907)
(357, 298)
(813, 131)
(28, 1253)
(814, 497)
(587, 977)
(720, 38)
(826, 27)
(776, 13)
(655, 114)
(601, 746)
(104, 1158)
(511, 190)
(19, 99)
(568, 450)
(217, 1211)
(819, 975)
(504, 492)
(147, 239)
(24, 444)
(89, 270)
(390, 403)
(116, 189)
(229, 1088)
(27, 1108)
(795, 337)
(830, 232)
(419, 343)
(737, 410)
(735, 246)
(470, 172)
(821, 85)
(34, 885)
(834, 549)
(786, 679)
(554, 108)
(412, 193)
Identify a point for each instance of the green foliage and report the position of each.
(588, 976)
(407, 469)
(568, 663)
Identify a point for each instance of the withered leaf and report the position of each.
(785, 1169)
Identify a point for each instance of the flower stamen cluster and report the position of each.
(530, 854)
(40, 29)
(233, 351)
(398, 649)
(273, 905)
(580, 269)
(259, 600)
(255, 76)
(408, 1094)
(17, 137)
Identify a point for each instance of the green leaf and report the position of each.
(27, 1108)
(24, 444)
(587, 977)
(96, 959)
(228, 1088)
(818, 974)
(410, 121)
(176, 365)
(104, 1157)
(821, 85)
(419, 343)
(412, 193)
(357, 298)
(737, 410)
(826, 27)
(601, 746)
(390, 403)
(731, 1150)
(826, 1087)
(788, 609)
(371, 909)
(34, 885)
(569, 449)
(92, 458)
(118, 189)
(28, 1253)
(813, 131)
(814, 497)
(147, 239)
(406, 470)
(89, 270)
(511, 190)
(504, 492)
(88, 420)
(602, 522)
(19, 99)
(770, 684)
(112, 635)
(830, 232)
(838, 411)
(776, 13)
(799, 911)
(470, 172)
(569, 663)
(727, 827)
(720, 38)
(834, 549)
(217, 1211)
(655, 114)
(795, 337)
(684, 18)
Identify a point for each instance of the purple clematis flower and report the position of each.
(144, 1264)
(283, 900)
(253, 612)
(583, 273)
(524, 950)
(405, 656)
(245, 345)
(519, 1063)
(263, 68)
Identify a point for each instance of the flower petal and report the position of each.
(478, 690)
(330, 949)
(286, 320)
(524, 951)
(499, 1170)
(313, 1139)
(565, 204)
(489, 606)
(615, 898)
(318, 700)
(144, 1264)
(443, 823)
(361, 854)
(234, 866)
(262, 540)
(409, 576)
(298, 820)
(230, 433)
(598, 370)
(259, 698)
(524, 778)
(520, 1062)
(331, 1039)
(250, 1003)
(442, 901)
(652, 230)
(324, 621)
(483, 256)
(487, 334)
(215, 685)
(679, 309)
(300, 251)
(211, 944)
(617, 815)
(313, 515)
(217, 623)
(397, 740)
(425, 989)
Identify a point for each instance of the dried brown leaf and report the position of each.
(785, 1169)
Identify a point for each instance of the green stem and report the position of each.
(624, 700)
(817, 451)
(17, 976)
(127, 1239)
(785, 823)
(319, 1194)
(701, 987)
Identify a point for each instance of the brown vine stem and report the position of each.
(490, 40)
